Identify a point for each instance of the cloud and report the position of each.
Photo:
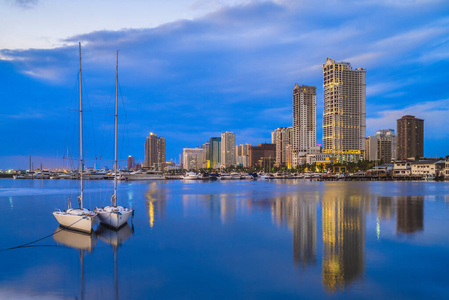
(234, 68)
(26, 4)
(434, 114)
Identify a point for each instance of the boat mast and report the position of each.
(81, 137)
(114, 198)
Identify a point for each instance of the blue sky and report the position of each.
(190, 70)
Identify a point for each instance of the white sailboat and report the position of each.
(78, 218)
(114, 216)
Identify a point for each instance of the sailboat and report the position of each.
(114, 216)
(78, 218)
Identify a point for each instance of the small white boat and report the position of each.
(190, 176)
(80, 219)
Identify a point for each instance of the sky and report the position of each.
(190, 70)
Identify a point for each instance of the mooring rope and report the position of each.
(43, 238)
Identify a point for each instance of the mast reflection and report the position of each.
(76, 240)
(343, 237)
(114, 238)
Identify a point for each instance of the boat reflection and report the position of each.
(76, 240)
(115, 238)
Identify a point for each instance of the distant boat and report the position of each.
(78, 218)
(114, 216)
(143, 175)
(190, 176)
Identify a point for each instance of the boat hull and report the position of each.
(75, 220)
(113, 217)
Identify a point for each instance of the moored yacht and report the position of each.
(78, 218)
(190, 176)
(114, 216)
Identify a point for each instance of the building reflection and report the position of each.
(410, 210)
(300, 215)
(343, 220)
(386, 210)
(156, 204)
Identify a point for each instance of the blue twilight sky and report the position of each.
(191, 69)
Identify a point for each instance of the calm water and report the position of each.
(230, 240)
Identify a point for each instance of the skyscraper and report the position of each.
(227, 149)
(304, 121)
(344, 117)
(131, 162)
(283, 136)
(215, 152)
(154, 151)
(410, 137)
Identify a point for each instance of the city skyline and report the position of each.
(169, 87)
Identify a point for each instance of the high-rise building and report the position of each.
(154, 151)
(215, 152)
(242, 155)
(227, 149)
(283, 136)
(344, 116)
(131, 162)
(192, 158)
(410, 137)
(304, 121)
(206, 156)
(381, 146)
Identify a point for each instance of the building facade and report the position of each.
(304, 121)
(381, 146)
(215, 152)
(344, 112)
(410, 140)
(131, 162)
(154, 151)
(206, 155)
(227, 149)
(192, 158)
(257, 153)
(283, 136)
(242, 155)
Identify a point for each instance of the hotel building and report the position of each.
(304, 121)
(344, 116)
(410, 137)
(154, 151)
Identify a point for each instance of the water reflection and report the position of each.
(300, 214)
(76, 240)
(156, 205)
(114, 238)
(410, 214)
(343, 220)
